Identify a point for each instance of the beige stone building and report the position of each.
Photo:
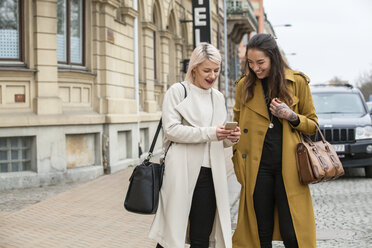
(82, 81)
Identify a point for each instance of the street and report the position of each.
(343, 212)
(91, 214)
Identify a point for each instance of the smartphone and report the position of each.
(231, 125)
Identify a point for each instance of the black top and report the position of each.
(271, 157)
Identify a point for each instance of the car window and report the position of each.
(369, 104)
(344, 103)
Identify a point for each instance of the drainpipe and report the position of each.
(226, 60)
(136, 72)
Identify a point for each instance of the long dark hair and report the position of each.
(276, 80)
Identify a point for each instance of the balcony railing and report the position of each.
(240, 8)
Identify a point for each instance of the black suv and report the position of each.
(346, 123)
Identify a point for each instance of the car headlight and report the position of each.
(363, 132)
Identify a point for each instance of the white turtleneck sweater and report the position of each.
(204, 101)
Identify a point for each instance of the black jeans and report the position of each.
(269, 190)
(203, 210)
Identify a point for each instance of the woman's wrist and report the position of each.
(296, 120)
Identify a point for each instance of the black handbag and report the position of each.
(145, 182)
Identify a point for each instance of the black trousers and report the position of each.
(269, 191)
(203, 210)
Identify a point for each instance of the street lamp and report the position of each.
(282, 25)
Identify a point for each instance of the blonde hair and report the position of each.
(201, 53)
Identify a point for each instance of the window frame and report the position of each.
(24, 163)
(68, 36)
(21, 39)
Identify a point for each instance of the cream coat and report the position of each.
(182, 165)
(254, 120)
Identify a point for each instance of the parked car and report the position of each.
(346, 123)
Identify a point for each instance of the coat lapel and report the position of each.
(290, 79)
(257, 103)
(219, 110)
(191, 111)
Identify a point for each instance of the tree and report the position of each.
(365, 84)
(337, 81)
(8, 14)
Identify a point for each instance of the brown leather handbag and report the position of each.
(317, 161)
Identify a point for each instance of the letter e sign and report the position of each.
(201, 21)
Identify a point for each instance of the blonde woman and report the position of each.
(194, 203)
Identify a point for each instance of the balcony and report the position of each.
(240, 19)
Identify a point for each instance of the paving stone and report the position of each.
(343, 212)
(91, 214)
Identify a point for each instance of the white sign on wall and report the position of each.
(201, 16)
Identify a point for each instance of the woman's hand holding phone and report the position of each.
(229, 131)
(222, 133)
(234, 135)
(231, 125)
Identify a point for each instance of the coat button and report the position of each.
(245, 130)
(244, 155)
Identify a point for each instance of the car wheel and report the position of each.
(368, 170)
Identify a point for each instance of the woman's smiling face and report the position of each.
(206, 74)
(259, 63)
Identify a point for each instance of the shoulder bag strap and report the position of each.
(153, 143)
(165, 154)
(184, 89)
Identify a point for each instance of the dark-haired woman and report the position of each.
(272, 104)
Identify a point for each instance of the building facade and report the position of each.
(82, 81)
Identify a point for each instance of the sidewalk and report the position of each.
(91, 215)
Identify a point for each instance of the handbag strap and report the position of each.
(303, 137)
(155, 137)
(153, 143)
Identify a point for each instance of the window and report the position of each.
(245, 39)
(70, 31)
(338, 103)
(238, 5)
(10, 30)
(155, 65)
(154, 40)
(236, 71)
(15, 154)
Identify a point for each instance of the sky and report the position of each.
(330, 38)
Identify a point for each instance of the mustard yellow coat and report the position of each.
(253, 121)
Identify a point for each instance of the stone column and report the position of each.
(46, 99)
(148, 30)
(179, 43)
(165, 38)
